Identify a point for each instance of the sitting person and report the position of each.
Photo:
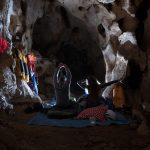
(93, 87)
(62, 80)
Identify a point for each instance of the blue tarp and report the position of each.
(42, 119)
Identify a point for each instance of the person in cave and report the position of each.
(62, 80)
(92, 89)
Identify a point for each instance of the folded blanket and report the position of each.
(97, 112)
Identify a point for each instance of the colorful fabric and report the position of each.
(31, 61)
(21, 65)
(96, 112)
(33, 82)
(3, 45)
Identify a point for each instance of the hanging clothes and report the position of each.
(31, 62)
(21, 65)
(24, 59)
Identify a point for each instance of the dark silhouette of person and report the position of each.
(92, 99)
(62, 80)
(133, 81)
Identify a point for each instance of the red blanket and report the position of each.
(96, 112)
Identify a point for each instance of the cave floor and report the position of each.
(15, 134)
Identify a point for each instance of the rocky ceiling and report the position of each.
(97, 37)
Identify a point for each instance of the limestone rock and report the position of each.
(5, 61)
(8, 88)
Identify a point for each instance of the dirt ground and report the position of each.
(15, 134)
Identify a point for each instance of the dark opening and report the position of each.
(120, 23)
(108, 6)
(81, 8)
(77, 61)
(101, 30)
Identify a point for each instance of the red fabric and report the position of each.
(31, 61)
(3, 45)
(97, 112)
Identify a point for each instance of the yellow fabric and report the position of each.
(20, 68)
(26, 78)
(21, 59)
(118, 96)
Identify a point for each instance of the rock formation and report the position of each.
(96, 37)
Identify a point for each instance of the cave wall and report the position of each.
(115, 28)
(60, 34)
(91, 36)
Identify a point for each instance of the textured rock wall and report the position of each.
(114, 26)
(92, 36)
